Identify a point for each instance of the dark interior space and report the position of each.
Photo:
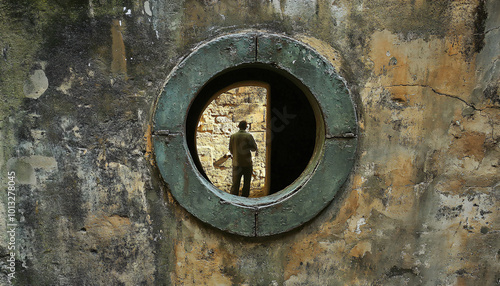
(293, 124)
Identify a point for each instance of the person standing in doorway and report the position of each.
(241, 144)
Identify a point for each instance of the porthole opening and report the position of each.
(312, 122)
(288, 119)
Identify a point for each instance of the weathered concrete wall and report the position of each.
(79, 80)
(218, 121)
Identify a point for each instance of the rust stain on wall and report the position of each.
(149, 145)
(108, 227)
(119, 62)
(469, 144)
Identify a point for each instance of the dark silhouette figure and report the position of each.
(241, 144)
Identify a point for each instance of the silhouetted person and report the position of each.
(240, 145)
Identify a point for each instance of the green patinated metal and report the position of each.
(193, 72)
(317, 74)
(331, 163)
(197, 195)
(314, 195)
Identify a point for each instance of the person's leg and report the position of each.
(237, 173)
(247, 177)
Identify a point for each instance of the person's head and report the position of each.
(243, 125)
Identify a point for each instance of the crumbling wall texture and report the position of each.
(79, 79)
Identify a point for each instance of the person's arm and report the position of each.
(253, 145)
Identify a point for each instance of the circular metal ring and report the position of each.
(330, 164)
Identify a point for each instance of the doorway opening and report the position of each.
(242, 101)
